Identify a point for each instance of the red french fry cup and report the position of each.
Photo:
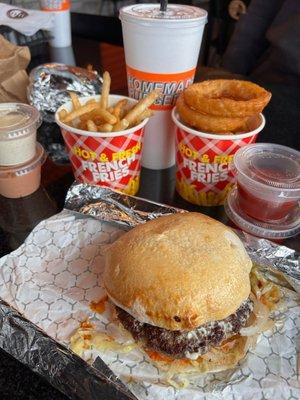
(204, 173)
(111, 159)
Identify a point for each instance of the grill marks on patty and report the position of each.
(187, 344)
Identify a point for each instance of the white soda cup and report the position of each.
(61, 30)
(161, 51)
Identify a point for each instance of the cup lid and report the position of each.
(23, 169)
(269, 165)
(174, 12)
(17, 120)
(290, 227)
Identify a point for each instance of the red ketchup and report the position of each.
(261, 209)
(267, 198)
(268, 181)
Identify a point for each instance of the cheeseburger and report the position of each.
(180, 285)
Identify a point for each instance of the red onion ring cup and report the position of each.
(204, 173)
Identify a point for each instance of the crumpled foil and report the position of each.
(50, 83)
(22, 275)
(62, 368)
(108, 205)
(130, 211)
(279, 264)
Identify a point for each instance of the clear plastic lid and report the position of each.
(24, 169)
(17, 120)
(270, 165)
(174, 12)
(281, 230)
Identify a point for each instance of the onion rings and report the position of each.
(227, 98)
(209, 123)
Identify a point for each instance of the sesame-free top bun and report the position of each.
(178, 271)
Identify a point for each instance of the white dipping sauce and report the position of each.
(18, 125)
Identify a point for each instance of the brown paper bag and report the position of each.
(13, 77)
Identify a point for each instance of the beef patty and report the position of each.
(187, 344)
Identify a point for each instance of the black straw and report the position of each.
(163, 5)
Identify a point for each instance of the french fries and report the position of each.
(81, 111)
(121, 125)
(105, 128)
(62, 114)
(91, 101)
(105, 90)
(146, 114)
(106, 116)
(75, 100)
(119, 109)
(96, 116)
(90, 115)
(142, 105)
(91, 125)
(82, 125)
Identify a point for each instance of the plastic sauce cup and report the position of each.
(276, 231)
(18, 125)
(22, 180)
(106, 159)
(268, 181)
(266, 200)
(204, 161)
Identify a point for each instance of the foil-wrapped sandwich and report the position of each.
(50, 84)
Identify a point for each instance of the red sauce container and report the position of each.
(262, 209)
(266, 200)
(277, 232)
(268, 179)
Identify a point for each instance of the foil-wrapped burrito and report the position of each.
(50, 83)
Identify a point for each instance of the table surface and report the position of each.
(19, 216)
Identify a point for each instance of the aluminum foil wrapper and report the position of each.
(40, 267)
(63, 369)
(50, 83)
(108, 205)
(278, 263)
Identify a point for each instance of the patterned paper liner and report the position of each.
(54, 276)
